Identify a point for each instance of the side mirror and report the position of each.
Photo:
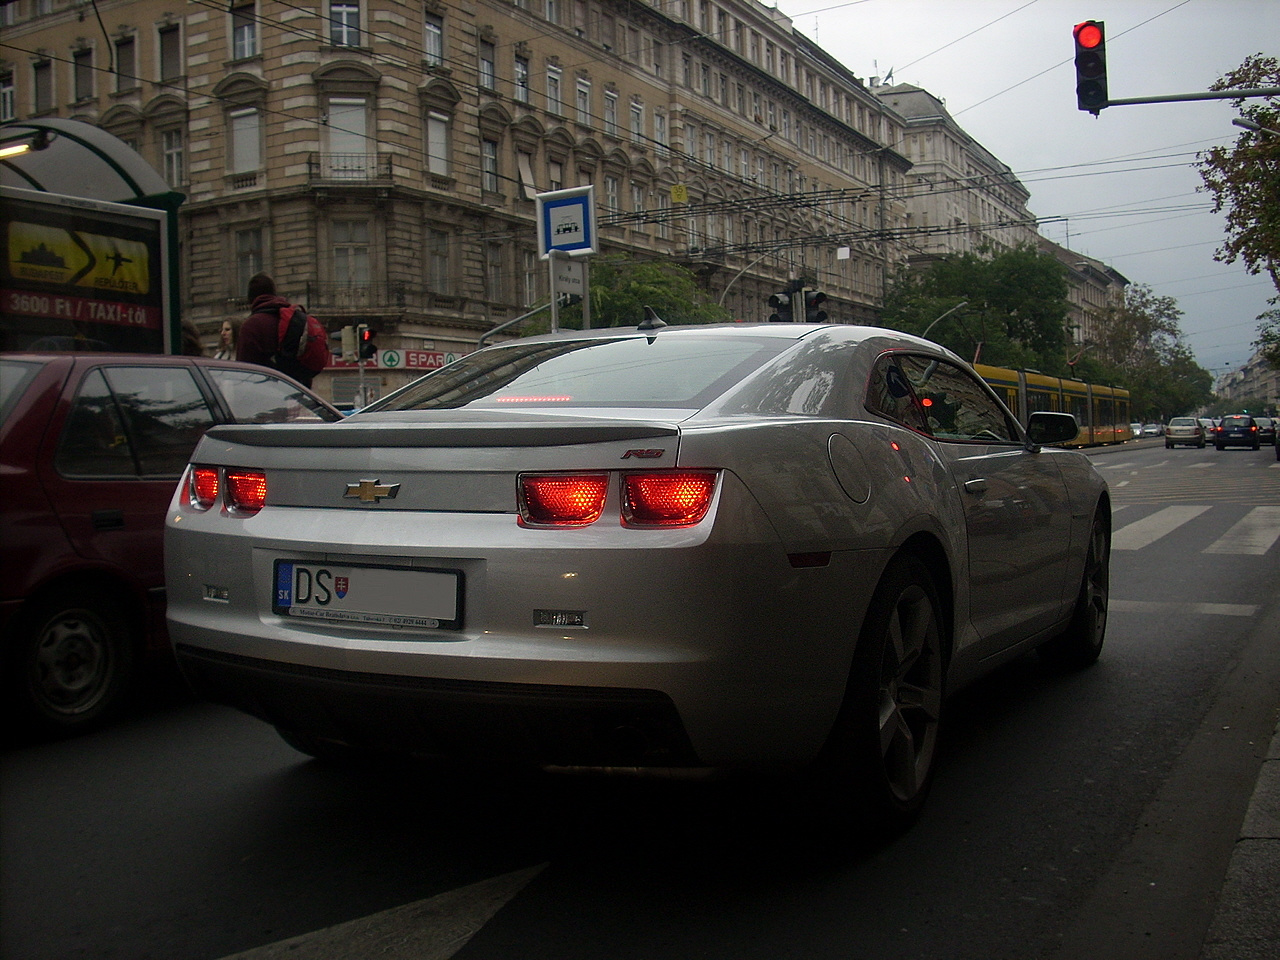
(1047, 429)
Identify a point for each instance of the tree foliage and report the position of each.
(1015, 307)
(1244, 177)
(622, 287)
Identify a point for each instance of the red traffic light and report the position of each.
(1088, 34)
(1091, 66)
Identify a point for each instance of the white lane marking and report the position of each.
(1254, 535)
(1201, 466)
(1148, 530)
(1156, 606)
(1113, 466)
(431, 929)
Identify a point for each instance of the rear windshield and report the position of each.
(1236, 421)
(1183, 422)
(670, 372)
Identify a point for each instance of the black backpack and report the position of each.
(303, 348)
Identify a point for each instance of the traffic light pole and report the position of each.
(1212, 95)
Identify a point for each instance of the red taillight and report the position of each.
(670, 499)
(204, 487)
(246, 490)
(563, 499)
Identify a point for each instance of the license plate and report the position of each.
(384, 596)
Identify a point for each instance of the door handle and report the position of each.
(975, 486)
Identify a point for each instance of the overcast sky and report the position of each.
(1123, 183)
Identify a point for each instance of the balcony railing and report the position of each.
(349, 168)
(374, 296)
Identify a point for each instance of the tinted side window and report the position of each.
(259, 397)
(164, 413)
(889, 394)
(93, 441)
(956, 405)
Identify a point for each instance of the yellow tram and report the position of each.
(1101, 411)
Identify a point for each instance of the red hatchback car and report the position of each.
(91, 446)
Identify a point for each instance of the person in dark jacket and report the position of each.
(260, 335)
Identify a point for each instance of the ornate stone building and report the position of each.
(380, 158)
(959, 197)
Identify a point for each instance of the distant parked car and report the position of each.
(1237, 430)
(1184, 430)
(92, 446)
(1136, 430)
(1152, 430)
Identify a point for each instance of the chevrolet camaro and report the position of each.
(771, 547)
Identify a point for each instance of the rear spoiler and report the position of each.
(505, 434)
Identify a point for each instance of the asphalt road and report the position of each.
(1085, 815)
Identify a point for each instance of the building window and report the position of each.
(82, 74)
(344, 24)
(244, 32)
(248, 257)
(493, 271)
(637, 122)
(637, 198)
(351, 251)
(438, 144)
(348, 140)
(611, 195)
(709, 149)
(489, 165)
(174, 155)
(583, 102)
(126, 64)
(553, 11)
(8, 105)
(530, 277)
(488, 70)
(660, 133)
(611, 113)
(438, 260)
(554, 103)
(522, 80)
(433, 44)
(555, 175)
(171, 65)
(246, 143)
(42, 84)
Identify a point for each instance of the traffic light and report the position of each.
(781, 303)
(1091, 66)
(813, 301)
(367, 348)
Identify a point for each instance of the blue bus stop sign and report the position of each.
(567, 222)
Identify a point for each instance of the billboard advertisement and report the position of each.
(82, 274)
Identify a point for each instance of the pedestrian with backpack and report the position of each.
(281, 335)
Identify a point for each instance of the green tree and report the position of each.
(1244, 177)
(622, 287)
(1140, 346)
(1015, 307)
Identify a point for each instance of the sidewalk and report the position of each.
(1246, 925)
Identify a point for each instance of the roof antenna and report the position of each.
(651, 320)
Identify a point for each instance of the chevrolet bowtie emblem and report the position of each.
(371, 491)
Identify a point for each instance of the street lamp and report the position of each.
(1250, 125)
(962, 303)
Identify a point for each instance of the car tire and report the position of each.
(1218, 447)
(1080, 644)
(1257, 446)
(879, 761)
(73, 663)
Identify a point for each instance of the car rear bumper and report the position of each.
(502, 722)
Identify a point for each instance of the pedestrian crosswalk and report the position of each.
(1251, 535)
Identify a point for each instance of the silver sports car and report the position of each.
(768, 547)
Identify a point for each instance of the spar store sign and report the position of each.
(403, 360)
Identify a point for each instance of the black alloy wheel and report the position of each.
(879, 761)
(1081, 644)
